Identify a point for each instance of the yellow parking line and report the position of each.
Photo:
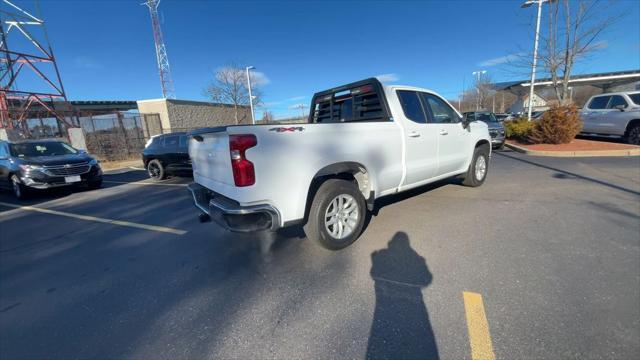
(479, 337)
(141, 183)
(96, 219)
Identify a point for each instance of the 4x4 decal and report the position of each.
(287, 129)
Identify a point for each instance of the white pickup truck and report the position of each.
(362, 141)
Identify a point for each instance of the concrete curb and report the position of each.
(580, 153)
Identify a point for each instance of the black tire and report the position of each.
(94, 185)
(316, 227)
(480, 156)
(19, 190)
(156, 170)
(633, 135)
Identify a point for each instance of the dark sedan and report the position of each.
(45, 164)
(496, 127)
(167, 154)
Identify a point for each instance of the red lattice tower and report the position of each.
(33, 53)
(161, 51)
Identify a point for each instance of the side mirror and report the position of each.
(620, 107)
(81, 151)
(465, 122)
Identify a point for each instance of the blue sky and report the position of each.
(105, 48)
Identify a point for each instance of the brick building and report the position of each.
(180, 115)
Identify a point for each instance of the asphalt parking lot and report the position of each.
(548, 252)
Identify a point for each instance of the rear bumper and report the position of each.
(231, 215)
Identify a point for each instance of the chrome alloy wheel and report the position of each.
(153, 169)
(481, 167)
(341, 217)
(634, 136)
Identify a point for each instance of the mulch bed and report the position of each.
(576, 145)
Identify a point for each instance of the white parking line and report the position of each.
(163, 229)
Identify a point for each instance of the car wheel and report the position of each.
(633, 135)
(156, 170)
(94, 185)
(478, 168)
(19, 190)
(337, 214)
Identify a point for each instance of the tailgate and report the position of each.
(209, 153)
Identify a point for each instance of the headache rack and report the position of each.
(359, 101)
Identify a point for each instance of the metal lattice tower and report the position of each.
(28, 50)
(161, 51)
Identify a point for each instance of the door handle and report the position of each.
(414, 134)
(444, 132)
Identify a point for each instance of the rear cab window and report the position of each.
(599, 102)
(355, 102)
(411, 106)
(635, 98)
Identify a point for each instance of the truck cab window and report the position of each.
(411, 106)
(441, 112)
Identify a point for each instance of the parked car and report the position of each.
(496, 127)
(535, 115)
(613, 114)
(167, 154)
(45, 164)
(362, 141)
(501, 117)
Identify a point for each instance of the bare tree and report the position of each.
(267, 116)
(229, 86)
(574, 28)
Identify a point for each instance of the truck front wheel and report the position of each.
(337, 214)
(478, 168)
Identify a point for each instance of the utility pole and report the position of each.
(166, 81)
(253, 117)
(463, 90)
(301, 107)
(535, 49)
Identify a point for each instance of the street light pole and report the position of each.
(535, 51)
(253, 118)
(478, 74)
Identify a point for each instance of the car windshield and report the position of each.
(486, 117)
(35, 149)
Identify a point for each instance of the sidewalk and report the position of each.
(576, 148)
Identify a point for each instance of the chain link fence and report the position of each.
(119, 136)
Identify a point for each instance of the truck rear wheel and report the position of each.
(478, 168)
(337, 214)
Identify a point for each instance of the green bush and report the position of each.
(559, 125)
(519, 129)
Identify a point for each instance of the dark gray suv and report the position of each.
(496, 127)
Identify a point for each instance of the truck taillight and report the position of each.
(243, 172)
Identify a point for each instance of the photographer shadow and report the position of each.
(401, 328)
